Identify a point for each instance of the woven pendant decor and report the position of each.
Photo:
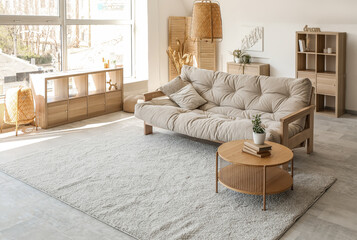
(206, 21)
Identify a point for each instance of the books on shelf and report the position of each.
(302, 45)
(257, 150)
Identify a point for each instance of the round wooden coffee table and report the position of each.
(249, 174)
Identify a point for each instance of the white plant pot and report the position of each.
(259, 138)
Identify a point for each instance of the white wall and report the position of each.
(159, 11)
(141, 40)
(280, 19)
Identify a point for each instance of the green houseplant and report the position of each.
(237, 55)
(258, 130)
(246, 59)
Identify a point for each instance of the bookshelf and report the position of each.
(66, 97)
(325, 69)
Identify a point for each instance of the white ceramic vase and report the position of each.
(259, 138)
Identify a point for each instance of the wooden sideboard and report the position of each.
(249, 69)
(71, 96)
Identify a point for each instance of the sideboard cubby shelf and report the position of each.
(326, 70)
(65, 97)
(77, 86)
(57, 89)
(115, 78)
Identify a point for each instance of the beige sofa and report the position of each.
(232, 100)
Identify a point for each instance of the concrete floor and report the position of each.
(26, 213)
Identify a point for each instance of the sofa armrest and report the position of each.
(150, 95)
(298, 114)
(306, 134)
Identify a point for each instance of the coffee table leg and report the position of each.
(264, 186)
(217, 172)
(292, 173)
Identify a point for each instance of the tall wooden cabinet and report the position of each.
(205, 52)
(66, 97)
(326, 70)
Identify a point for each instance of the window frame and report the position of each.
(63, 22)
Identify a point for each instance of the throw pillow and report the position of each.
(173, 86)
(187, 98)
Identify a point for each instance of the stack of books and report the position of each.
(256, 150)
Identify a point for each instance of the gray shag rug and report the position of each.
(160, 186)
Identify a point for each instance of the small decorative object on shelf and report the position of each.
(112, 85)
(258, 130)
(310, 29)
(113, 64)
(237, 55)
(105, 62)
(258, 150)
(246, 59)
(302, 46)
(240, 56)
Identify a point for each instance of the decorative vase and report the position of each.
(236, 59)
(259, 138)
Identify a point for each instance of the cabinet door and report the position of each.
(114, 101)
(234, 69)
(251, 70)
(326, 84)
(311, 76)
(57, 113)
(96, 104)
(77, 109)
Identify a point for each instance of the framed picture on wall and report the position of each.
(253, 38)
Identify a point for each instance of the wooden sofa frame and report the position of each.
(306, 137)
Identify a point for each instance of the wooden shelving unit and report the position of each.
(66, 97)
(326, 71)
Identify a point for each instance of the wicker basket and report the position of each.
(19, 107)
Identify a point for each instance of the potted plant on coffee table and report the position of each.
(258, 130)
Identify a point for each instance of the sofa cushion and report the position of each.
(173, 86)
(187, 98)
(279, 96)
(216, 124)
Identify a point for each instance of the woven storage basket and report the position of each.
(206, 21)
(19, 106)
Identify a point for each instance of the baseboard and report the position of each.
(353, 112)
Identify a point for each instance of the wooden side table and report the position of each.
(253, 68)
(252, 175)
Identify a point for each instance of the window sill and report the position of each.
(129, 80)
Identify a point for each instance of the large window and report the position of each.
(56, 35)
(99, 9)
(29, 7)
